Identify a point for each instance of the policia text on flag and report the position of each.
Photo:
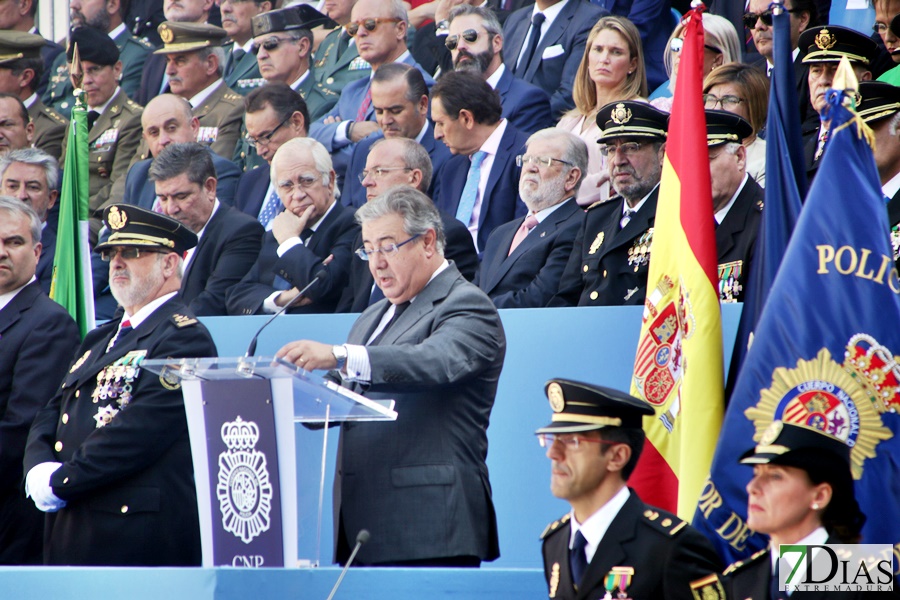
(861, 263)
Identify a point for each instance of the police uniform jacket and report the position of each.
(49, 51)
(529, 276)
(220, 116)
(335, 70)
(112, 144)
(608, 265)
(334, 235)
(243, 77)
(49, 128)
(736, 241)
(39, 341)
(132, 52)
(665, 552)
(129, 485)
(228, 248)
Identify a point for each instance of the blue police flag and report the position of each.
(824, 350)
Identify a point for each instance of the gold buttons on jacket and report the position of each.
(58, 446)
(124, 508)
(594, 295)
(585, 268)
(65, 418)
(77, 393)
(604, 272)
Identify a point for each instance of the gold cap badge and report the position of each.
(771, 433)
(555, 394)
(825, 40)
(116, 218)
(166, 34)
(620, 114)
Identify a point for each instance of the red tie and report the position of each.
(364, 107)
(528, 224)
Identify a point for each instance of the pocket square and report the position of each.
(552, 51)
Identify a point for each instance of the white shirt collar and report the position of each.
(201, 97)
(117, 31)
(102, 108)
(594, 527)
(637, 206)
(722, 212)
(494, 79)
(319, 222)
(550, 13)
(30, 101)
(8, 296)
(492, 143)
(144, 313)
(891, 188)
(422, 132)
(546, 212)
(300, 80)
(818, 537)
(211, 215)
(770, 66)
(246, 47)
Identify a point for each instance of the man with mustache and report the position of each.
(241, 71)
(476, 44)
(20, 17)
(611, 254)
(524, 259)
(108, 457)
(337, 58)
(106, 17)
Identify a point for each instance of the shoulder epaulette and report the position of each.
(232, 96)
(708, 588)
(736, 566)
(555, 525)
(759, 205)
(141, 42)
(132, 104)
(183, 320)
(664, 522)
(54, 115)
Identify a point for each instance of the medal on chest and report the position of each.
(617, 581)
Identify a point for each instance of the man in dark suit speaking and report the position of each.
(436, 345)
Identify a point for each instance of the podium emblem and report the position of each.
(244, 489)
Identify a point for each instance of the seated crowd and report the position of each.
(532, 138)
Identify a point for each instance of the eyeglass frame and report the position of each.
(267, 137)
(544, 161)
(765, 16)
(570, 443)
(627, 148)
(452, 41)
(108, 254)
(352, 31)
(378, 172)
(732, 100)
(385, 250)
(680, 41)
(267, 44)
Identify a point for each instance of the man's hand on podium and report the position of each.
(309, 355)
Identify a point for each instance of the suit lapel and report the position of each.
(504, 152)
(317, 236)
(733, 223)
(211, 100)
(501, 262)
(11, 313)
(438, 288)
(210, 234)
(556, 30)
(516, 40)
(611, 549)
(639, 223)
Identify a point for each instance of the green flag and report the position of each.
(71, 285)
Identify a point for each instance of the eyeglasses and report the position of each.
(385, 250)
(265, 138)
(765, 16)
(270, 44)
(627, 148)
(378, 172)
(107, 254)
(469, 35)
(678, 43)
(569, 440)
(541, 161)
(727, 101)
(304, 182)
(369, 25)
(879, 28)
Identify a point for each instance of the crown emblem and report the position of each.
(166, 34)
(876, 370)
(555, 394)
(620, 114)
(116, 218)
(825, 40)
(240, 434)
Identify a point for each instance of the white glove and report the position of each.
(37, 487)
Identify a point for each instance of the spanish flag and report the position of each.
(679, 366)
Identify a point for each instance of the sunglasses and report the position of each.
(750, 18)
(369, 25)
(469, 35)
(270, 44)
(678, 43)
(126, 253)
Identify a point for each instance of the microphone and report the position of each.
(361, 538)
(322, 274)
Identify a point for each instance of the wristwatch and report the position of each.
(340, 355)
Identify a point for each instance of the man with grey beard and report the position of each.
(524, 259)
(475, 42)
(611, 255)
(108, 458)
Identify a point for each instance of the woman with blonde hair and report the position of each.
(612, 69)
(743, 90)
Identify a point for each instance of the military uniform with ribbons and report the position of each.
(338, 62)
(120, 431)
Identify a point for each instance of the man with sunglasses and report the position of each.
(195, 60)
(313, 232)
(610, 541)
(436, 345)
(475, 41)
(337, 58)
(524, 259)
(108, 458)
(379, 28)
(610, 258)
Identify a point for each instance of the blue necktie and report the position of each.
(269, 210)
(470, 191)
(578, 558)
(536, 22)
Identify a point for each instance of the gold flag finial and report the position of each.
(76, 73)
(844, 78)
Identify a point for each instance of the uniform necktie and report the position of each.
(124, 329)
(536, 21)
(398, 310)
(626, 217)
(92, 117)
(527, 225)
(364, 107)
(269, 210)
(236, 57)
(343, 43)
(470, 191)
(578, 558)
